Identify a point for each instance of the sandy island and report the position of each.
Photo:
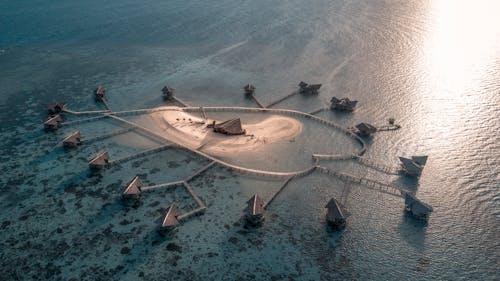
(192, 131)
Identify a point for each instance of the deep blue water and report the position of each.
(432, 65)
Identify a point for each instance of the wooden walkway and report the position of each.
(105, 136)
(282, 99)
(271, 198)
(363, 161)
(84, 120)
(365, 182)
(85, 112)
(140, 154)
(181, 102)
(257, 101)
(316, 111)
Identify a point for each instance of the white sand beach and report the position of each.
(192, 131)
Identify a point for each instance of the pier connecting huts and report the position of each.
(343, 104)
(308, 89)
(334, 215)
(254, 211)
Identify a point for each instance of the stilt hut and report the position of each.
(99, 93)
(53, 123)
(229, 127)
(170, 221)
(254, 212)
(167, 93)
(364, 129)
(133, 190)
(306, 89)
(414, 166)
(417, 208)
(343, 104)
(334, 215)
(100, 161)
(55, 108)
(73, 140)
(249, 89)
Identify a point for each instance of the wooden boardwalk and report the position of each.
(282, 99)
(110, 135)
(140, 154)
(365, 182)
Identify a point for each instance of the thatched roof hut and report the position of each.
(72, 140)
(168, 92)
(230, 127)
(343, 104)
(55, 108)
(254, 212)
(413, 166)
(334, 214)
(307, 89)
(170, 221)
(417, 208)
(53, 123)
(100, 161)
(133, 189)
(99, 93)
(249, 89)
(365, 129)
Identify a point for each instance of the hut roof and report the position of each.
(303, 84)
(255, 206)
(167, 89)
(416, 206)
(53, 122)
(55, 107)
(365, 127)
(100, 159)
(171, 217)
(232, 127)
(73, 138)
(411, 167)
(134, 187)
(334, 212)
(249, 87)
(421, 160)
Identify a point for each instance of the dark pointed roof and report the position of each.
(255, 206)
(417, 207)
(134, 187)
(231, 127)
(334, 211)
(73, 139)
(421, 160)
(100, 159)
(171, 217)
(366, 128)
(413, 167)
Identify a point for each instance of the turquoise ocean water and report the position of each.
(432, 65)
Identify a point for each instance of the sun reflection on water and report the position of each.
(461, 45)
